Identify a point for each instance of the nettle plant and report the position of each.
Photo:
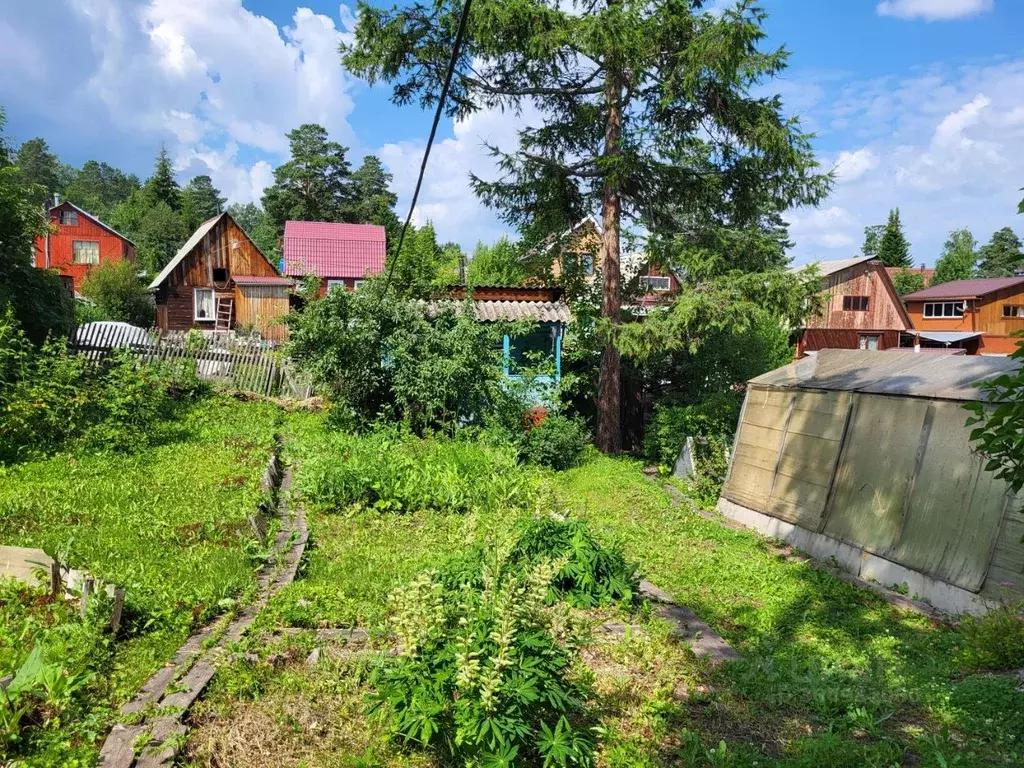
(484, 676)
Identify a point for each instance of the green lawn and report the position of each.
(830, 676)
(168, 524)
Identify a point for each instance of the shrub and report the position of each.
(118, 293)
(996, 640)
(557, 442)
(714, 416)
(483, 678)
(398, 472)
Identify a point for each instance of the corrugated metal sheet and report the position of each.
(826, 268)
(539, 311)
(965, 289)
(261, 280)
(897, 373)
(333, 250)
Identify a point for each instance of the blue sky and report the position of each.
(917, 103)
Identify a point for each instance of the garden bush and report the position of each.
(394, 471)
(557, 442)
(484, 674)
(714, 416)
(995, 641)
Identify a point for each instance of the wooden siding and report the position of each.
(984, 314)
(112, 247)
(261, 307)
(225, 247)
(867, 279)
(814, 339)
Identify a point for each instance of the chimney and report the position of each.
(56, 199)
(922, 266)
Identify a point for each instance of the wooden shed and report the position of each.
(220, 281)
(865, 458)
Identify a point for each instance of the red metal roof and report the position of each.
(333, 250)
(925, 272)
(965, 289)
(260, 280)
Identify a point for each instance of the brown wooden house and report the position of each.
(220, 281)
(862, 309)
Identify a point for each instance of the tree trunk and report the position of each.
(609, 386)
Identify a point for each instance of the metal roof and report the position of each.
(947, 337)
(260, 280)
(966, 289)
(333, 250)
(539, 311)
(947, 377)
(826, 268)
(191, 243)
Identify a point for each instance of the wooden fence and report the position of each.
(245, 362)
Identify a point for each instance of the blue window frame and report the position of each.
(545, 340)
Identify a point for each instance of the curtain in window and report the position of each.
(86, 251)
(204, 304)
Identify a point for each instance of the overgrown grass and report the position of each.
(168, 524)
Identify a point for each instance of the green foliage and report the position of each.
(38, 169)
(1002, 256)
(315, 184)
(998, 423)
(99, 187)
(424, 268)
(872, 239)
(893, 248)
(38, 300)
(557, 442)
(392, 472)
(258, 226)
(155, 228)
(200, 200)
(995, 641)
(483, 679)
(958, 258)
(374, 201)
(118, 294)
(498, 264)
(162, 186)
(429, 366)
(906, 282)
(715, 416)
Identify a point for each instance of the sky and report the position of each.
(915, 103)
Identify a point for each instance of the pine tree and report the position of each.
(644, 105)
(374, 202)
(314, 185)
(1002, 256)
(958, 258)
(893, 248)
(162, 187)
(38, 166)
(200, 200)
(98, 187)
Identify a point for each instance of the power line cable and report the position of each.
(430, 142)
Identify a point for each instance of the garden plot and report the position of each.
(829, 674)
(168, 524)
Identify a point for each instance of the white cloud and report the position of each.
(216, 80)
(823, 228)
(852, 165)
(933, 10)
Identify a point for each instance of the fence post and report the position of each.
(115, 617)
(86, 592)
(54, 578)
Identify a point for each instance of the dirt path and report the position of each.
(156, 731)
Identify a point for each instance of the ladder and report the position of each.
(225, 310)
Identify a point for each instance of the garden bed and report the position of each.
(169, 524)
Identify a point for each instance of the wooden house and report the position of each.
(220, 281)
(77, 242)
(978, 315)
(861, 311)
(340, 255)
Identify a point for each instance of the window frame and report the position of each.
(856, 303)
(941, 315)
(72, 218)
(644, 281)
(332, 284)
(357, 284)
(864, 342)
(1016, 314)
(195, 305)
(74, 252)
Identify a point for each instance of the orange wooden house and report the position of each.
(978, 315)
(861, 311)
(220, 281)
(78, 241)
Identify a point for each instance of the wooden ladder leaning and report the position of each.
(225, 311)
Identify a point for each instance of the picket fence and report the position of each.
(247, 363)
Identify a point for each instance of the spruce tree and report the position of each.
(39, 170)
(374, 202)
(893, 248)
(646, 106)
(162, 187)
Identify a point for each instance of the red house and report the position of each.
(341, 255)
(81, 241)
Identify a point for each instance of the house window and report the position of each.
(203, 300)
(220, 275)
(86, 251)
(333, 285)
(69, 218)
(869, 341)
(1010, 310)
(944, 309)
(855, 303)
(358, 284)
(587, 263)
(650, 283)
